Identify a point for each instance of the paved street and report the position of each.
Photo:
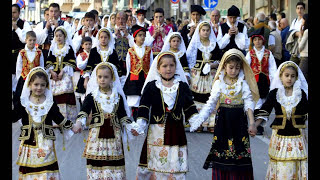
(73, 166)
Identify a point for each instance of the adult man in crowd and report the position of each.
(259, 23)
(187, 31)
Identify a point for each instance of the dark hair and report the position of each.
(283, 15)
(41, 75)
(159, 10)
(273, 16)
(95, 12)
(55, 5)
(17, 6)
(169, 19)
(89, 15)
(306, 23)
(302, 4)
(166, 56)
(31, 33)
(235, 59)
(86, 39)
(47, 9)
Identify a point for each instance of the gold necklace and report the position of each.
(36, 97)
(204, 40)
(174, 50)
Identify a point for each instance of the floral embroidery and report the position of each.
(163, 155)
(300, 146)
(289, 148)
(227, 101)
(41, 153)
(159, 142)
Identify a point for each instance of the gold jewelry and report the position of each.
(204, 40)
(36, 97)
(174, 50)
(104, 90)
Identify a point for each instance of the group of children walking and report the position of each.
(158, 97)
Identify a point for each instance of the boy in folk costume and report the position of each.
(159, 30)
(28, 58)
(263, 66)
(82, 60)
(138, 61)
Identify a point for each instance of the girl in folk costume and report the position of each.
(138, 61)
(203, 59)
(233, 94)
(37, 156)
(262, 63)
(82, 60)
(289, 97)
(28, 58)
(112, 21)
(110, 112)
(61, 65)
(103, 51)
(104, 20)
(175, 44)
(167, 95)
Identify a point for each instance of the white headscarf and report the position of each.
(102, 21)
(289, 102)
(68, 42)
(196, 44)
(111, 43)
(109, 20)
(166, 45)
(154, 74)
(26, 91)
(116, 84)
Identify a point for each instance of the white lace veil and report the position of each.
(111, 40)
(102, 21)
(166, 45)
(154, 74)
(26, 91)
(68, 41)
(300, 82)
(195, 43)
(116, 84)
(109, 20)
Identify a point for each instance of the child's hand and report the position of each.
(134, 132)
(60, 75)
(77, 127)
(252, 130)
(54, 75)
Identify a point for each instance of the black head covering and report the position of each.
(198, 8)
(135, 28)
(141, 11)
(67, 16)
(233, 11)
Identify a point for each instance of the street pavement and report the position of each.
(73, 166)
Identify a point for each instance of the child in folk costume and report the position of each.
(110, 112)
(167, 95)
(61, 65)
(234, 92)
(28, 58)
(203, 59)
(103, 51)
(263, 65)
(138, 61)
(175, 44)
(112, 22)
(37, 156)
(82, 60)
(289, 97)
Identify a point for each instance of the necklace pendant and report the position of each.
(108, 97)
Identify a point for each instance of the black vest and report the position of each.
(51, 32)
(16, 43)
(232, 44)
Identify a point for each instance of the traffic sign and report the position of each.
(21, 3)
(210, 3)
(174, 1)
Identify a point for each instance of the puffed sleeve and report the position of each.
(247, 97)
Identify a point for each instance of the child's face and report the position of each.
(103, 39)
(232, 69)
(113, 20)
(288, 77)
(105, 22)
(158, 18)
(175, 43)
(141, 17)
(60, 38)
(257, 42)
(89, 22)
(205, 32)
(167, 67)
(31, 42)
(38, 86)
(87, 46)
(140, 37)
(104, 77)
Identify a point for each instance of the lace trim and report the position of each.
(107, 102)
